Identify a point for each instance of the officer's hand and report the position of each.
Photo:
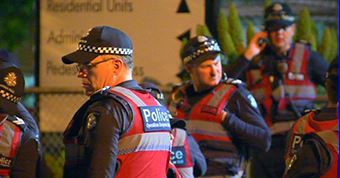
(255, 45)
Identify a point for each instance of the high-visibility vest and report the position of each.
(180, 153)
(144, 150)
(296, 83)
(327, 130)
(10, 140)
(204, 120)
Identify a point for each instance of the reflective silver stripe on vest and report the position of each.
(179, 137)
(218, 96)
(206, 128)
(186, 172)
(305, 91)
(6, 141)
(298, 57)
(145, 142)
(129, 94)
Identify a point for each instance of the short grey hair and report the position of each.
(128, 60)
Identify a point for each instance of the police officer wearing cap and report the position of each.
(22, 112)
(18, 144)
(282, 76)
(121, 130)
(312, 149)
(220, 113)
(186, 155)
(6, 58)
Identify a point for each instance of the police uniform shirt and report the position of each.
(244, 120)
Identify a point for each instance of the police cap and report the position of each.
(100, 40)
(200, 48)
(12, 87)
(278, 15)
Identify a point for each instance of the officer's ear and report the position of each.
(117, 65)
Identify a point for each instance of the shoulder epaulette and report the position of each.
(17, 121)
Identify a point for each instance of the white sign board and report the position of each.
(153, 26)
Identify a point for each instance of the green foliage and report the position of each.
(228, 47)
(304, 27)
(203, 30)
(326, 43)
(250, 31)
(225, 40)
(236, 29)
(334, 44)
(222, 22)
(15, 22)
(311, 39)
(315, 31)
(267, 3)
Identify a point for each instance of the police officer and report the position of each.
(18, 144)
(22, 112)
(121, 131)
(185, 153)
(312, 149)
(221, 114)
(282, 76)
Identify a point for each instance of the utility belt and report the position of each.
(222, 158)
(225, 166)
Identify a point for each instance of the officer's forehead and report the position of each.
(211, 60)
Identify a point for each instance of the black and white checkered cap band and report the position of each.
(104, 50)
(9, 96)
(209, 46)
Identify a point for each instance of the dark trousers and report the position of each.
(269, 164)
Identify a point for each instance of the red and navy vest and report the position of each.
(11, 132)
(144, 151)
(296, 83)
(180, 153)
(204, 120)
(327, 130)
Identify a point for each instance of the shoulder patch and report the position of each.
(91, 120)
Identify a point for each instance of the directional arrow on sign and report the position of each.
(183, 7)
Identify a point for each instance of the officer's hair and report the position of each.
(128, 60)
